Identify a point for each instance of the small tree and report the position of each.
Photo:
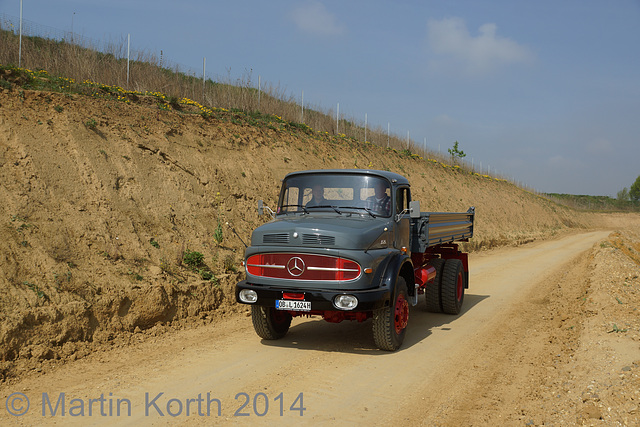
(634, 191)
(456, 153)
(623, 195)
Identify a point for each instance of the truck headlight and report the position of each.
(248, 295)
(345, 302)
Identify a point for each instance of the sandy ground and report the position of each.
(549, 335)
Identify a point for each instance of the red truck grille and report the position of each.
(303, 267)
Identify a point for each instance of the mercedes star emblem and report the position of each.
(295, 266)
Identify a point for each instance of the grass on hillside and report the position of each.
(593, 203)
(148, 74)
(11, 77)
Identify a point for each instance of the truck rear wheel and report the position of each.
(452, 291)
(269, 323)
(390, 323)
(432, 290)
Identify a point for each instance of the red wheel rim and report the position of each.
(279, 317)
(401, 317)
(459, 287)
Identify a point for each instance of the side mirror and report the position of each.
(414, 209)
(262, 207)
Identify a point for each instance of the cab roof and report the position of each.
(393, 177)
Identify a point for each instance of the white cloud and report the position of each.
(450, 39)
(313, 17)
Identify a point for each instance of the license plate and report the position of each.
(285, 304)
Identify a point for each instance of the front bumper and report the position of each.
(321, 300)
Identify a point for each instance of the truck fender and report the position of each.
(395, 265)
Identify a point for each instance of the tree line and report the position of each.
(630, 194)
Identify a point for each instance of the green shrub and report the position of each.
(192, 259)
(217, 233)
(229, 264)
(206, 274)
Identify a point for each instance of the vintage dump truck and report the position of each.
(352, 245)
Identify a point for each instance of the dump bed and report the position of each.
(434, 228)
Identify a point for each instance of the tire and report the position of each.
(453, 284)
(269, 323)
(432, 291)
(390, 323)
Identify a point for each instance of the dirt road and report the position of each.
(475, 368)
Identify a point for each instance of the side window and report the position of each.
(402, 199)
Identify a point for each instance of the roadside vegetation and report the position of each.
(632, 194)
(70, 64)
(594, 203)
(628, 199)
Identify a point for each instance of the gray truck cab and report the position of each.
(358, 216)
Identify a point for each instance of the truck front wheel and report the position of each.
(452, 291)
(269, 323)
(390, 323)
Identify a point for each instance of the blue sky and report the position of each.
(546, 93)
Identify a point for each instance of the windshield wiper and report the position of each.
(296, 206)
(335, 208)
(360, 207)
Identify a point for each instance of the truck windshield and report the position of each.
(337, 193)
